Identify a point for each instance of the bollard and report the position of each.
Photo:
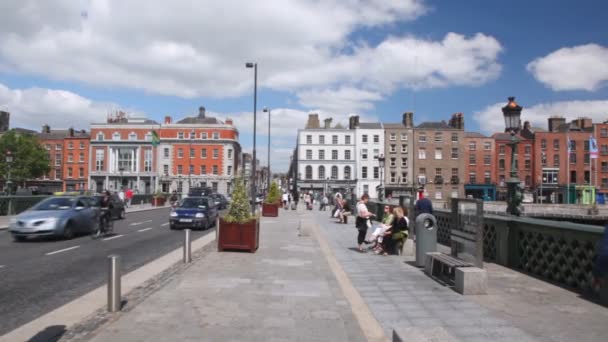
(217, 227)
(187, 256)
(114, 298)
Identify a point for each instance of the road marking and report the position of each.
(113, 237)
(63, 250)
(143, 230)
(138, 223)
(164, 224)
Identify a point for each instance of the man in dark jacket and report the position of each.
(423, 206)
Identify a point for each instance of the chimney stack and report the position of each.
(555, 122)
(408, 119)
(229, 122)
(46, 128)
(353, 122)
(71, 132)
(327, 123)
(167, 119)
(313, 121)
(201, 112)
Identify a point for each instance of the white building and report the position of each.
(368, 147)
(326, 157)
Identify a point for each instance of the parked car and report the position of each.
(220, 201)
(118, 207)
(200, 192)
(194, 212)
(63, 216)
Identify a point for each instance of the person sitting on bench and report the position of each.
(344, 212)
(378, 234)
(394, 238)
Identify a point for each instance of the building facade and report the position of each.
(480, 167)
(369, 147)
(399, 151)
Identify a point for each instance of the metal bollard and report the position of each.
(187, 250)
(114, 298)
(217, 227)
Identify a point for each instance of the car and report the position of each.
(194, 212)
(200, 192)
(220, 201)
(118, 206)
(63, 216)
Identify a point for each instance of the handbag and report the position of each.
(402, 235)
(337, 213)
(369, 223)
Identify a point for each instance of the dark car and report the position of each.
(220, 201)
(118, 206)
(200, 192)
(195, 213)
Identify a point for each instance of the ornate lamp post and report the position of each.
(254, 66)
(512, 115)
(9, 161)
(381, 160)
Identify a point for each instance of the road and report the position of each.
(39, 276)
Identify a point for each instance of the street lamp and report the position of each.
(121, 170)
(512, 113)
(255, 102)
(192, 135)
(326, 186)
(381, 160)
(266, 110)
(9, 161)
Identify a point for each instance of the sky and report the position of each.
(68, 63)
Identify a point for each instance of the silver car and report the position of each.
(56, 216)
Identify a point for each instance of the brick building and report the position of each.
(399, 151)
(480, 166)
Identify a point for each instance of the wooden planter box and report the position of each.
(158, 201)
(270, 210)
(240, 236)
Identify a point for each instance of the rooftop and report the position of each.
(370, 125)
(474, 135)
(434, 125)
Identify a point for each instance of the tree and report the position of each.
(239, 210)
(30, 159)
(274, 195)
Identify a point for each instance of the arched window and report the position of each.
(321, 172)
(334, 172)
(308, 172)
(347, 172)
(116, 136)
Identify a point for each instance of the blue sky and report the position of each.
(72, 62)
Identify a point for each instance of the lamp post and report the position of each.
(381, 161)
(255, 102)
(512, 114)
(121, 170)
(266, 110)
(192, 135)
(326, 186)
(9, 161)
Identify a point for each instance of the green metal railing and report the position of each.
(13, 205)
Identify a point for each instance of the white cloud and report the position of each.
(583, 67)
(345, 100)
(190, 49)
(491, 120)
(33, 107)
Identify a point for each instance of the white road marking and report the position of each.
(63, 250)
(143, 230)
(138, 223)
(113, 237)
(164, 224)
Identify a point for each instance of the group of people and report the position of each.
(389, 236)
(126, 196)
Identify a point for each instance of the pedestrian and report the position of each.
(285, 199)
(363, 221)
(324, 202)
(423, 206)
(345, 211)
(129, 195)
(121, 195)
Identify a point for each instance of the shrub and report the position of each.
(240, 209)
(274, 195)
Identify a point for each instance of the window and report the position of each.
(180, 135)
(403, 162)
(421, 153)
(321, 172)
(81, 157)
(334, 139)
(308, 172)
(587, 177)
(321, 154)
(334, 154)
(100, 136)
(393, 177)
(393, 148)
(308, 154)
(604, 166)
(229, 172)
(438, 137)
(543, 144)
(57, 147)
(214, 168)
(204, 153)
(180, 153)
(364, 138)
(229, 153)
(364, 154)
(148, 136)
(604, 150)
(216, 153)
(422, 138)
(347, 140)
(572, 158)
(556, 160)
(487, 159)
(57, 173)
(376, 172)
(191, 153)
(116, 136)
(376, 138)
(321, 139)
(528, 164)
(366, 189)
(438, 172)
(403, 137)
(438, 153)
(572, 145)
(309, 139)
(501, 149)
(203, 169)
(501, 180)
(132, 136)
(191, 169)
(528, 150)
(70, 158)
(364, 172)
(528, 180)
(556, 144)
(347, 172)
(347, 155)
(166, 170)
(438, 195)
(454, 152)
(472, 146)
(587, 158)
(70, 145)
(376, 153)
(573, 176)
(393, 136)
(501, 164)
(404, 148)
(487, 179)
(586, 145)
(334, 172)
(454, 172)
(393, 162)
(216, 135)
(148, 160)
(472, 159)
(472, 177)
(454, 137)
(166, 152)
(403, 177)
(604, 182)
(57, 159)
(487, 146)
(70, 172)
(204, 135)
(99, 156)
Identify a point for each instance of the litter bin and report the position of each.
(426, 237)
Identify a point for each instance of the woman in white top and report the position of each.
(362, 221)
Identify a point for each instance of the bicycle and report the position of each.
(105, 225)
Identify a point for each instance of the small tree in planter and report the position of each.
(158, 199)
(238, 229)
(270, 207)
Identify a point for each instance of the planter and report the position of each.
(239, 236)
(158, 201)
(270, 210)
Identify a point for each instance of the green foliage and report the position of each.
(30, 159)
(240, 209)
(274, 195)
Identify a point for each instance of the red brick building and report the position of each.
(480, 166)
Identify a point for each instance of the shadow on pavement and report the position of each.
(50, 334)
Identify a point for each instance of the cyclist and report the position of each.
(105, 216)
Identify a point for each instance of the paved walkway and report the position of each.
(284, 292)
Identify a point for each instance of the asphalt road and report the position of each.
(39, 276)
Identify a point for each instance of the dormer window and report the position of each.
(148, 136)
(216, 135)
(180, 135)
(204, 135)
(116, 136)
(132, 136)
(100, 136)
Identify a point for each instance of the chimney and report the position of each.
(555, 122)
(167, 119)
(526, 125)
(71, 132)
(353, 122)
(201, 112)
(46, 129)
(327, 123)
(83, 131)
(408, 119)
(313, 121)
(229, 122)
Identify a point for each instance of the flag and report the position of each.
(594, 153)
(155, 139)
